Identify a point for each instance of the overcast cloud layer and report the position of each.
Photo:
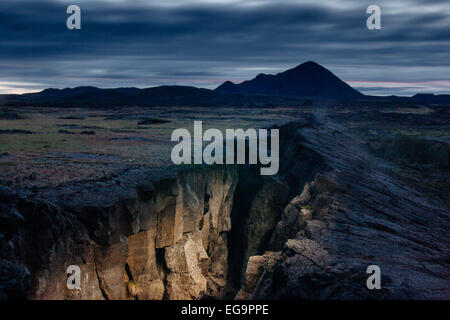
(205, 42)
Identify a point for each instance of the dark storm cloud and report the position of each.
(202, 43)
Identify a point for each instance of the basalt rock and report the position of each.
(169, 242)
(349, 217)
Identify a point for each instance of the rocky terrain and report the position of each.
(346, 219)
(226, 232)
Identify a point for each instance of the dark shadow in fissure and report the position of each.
(248, 185)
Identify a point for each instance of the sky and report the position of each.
(203, 43)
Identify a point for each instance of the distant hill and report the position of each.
(428, 98)
(156, 96)
(308, 80)
(420, 98)
(120, 96)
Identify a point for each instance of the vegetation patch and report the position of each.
(415, 150)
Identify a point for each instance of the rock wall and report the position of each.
(168, 243)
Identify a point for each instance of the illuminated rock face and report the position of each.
(169, 243)
(143, 267)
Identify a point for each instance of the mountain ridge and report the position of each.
(308, 80)
(153, 96)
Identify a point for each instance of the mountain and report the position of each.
(155, 96)
(308, 80)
